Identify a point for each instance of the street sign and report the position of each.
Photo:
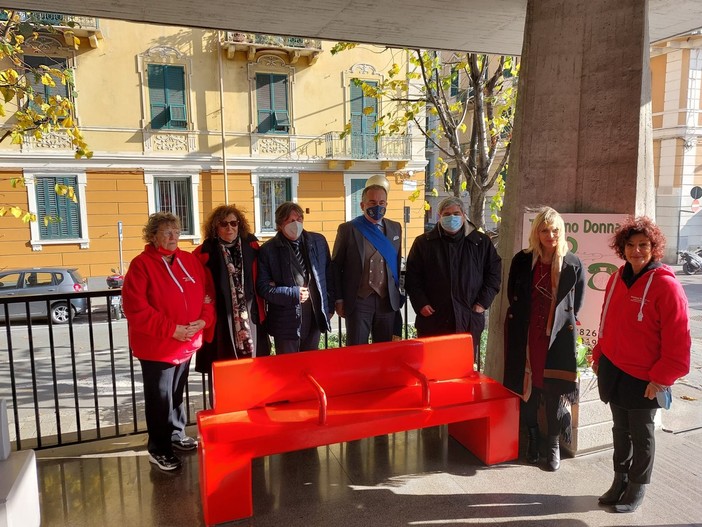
(696, 193)
(695, 205)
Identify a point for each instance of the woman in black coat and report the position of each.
(230, 252)
(545, 290)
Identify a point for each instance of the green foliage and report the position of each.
(583, 354)
(35, 115)
(472, 129)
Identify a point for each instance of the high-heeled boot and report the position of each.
(615, 492)
(553, 456)
(532, 453)
(632, 498)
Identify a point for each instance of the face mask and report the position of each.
(375, 213)
(164, 252)
(293, 230)
(451, 223)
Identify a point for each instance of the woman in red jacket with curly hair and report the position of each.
(643, 348)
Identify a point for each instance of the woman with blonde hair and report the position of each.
(545, 290)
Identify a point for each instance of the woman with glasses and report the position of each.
(167, 298)
(643, 348)
(230, 252)
(545, 290)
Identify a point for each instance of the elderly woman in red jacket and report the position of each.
(167, 299)
(643, 348)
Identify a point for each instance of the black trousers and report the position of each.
(530, 410)
(371, 316)
(309, 334)
(164, 384)
(634, 442)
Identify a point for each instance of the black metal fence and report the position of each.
(78, 382)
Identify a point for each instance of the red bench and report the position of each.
(272, 405)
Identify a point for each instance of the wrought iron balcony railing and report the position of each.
(358, 147)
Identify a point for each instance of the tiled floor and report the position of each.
(419, 478)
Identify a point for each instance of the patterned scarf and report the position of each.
(241, 328)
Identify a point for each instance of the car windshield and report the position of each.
(77, 278)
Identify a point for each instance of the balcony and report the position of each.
(81, 26)
(353, 148)
(252, 43)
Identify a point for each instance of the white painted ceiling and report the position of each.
(495, 26)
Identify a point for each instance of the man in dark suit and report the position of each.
(366, 266)
(294, 269)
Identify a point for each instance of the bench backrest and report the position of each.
(251, 383)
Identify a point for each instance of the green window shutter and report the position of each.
(34, 62)
(175, 94)
(363, 144)
(167, 96)
(264, 103)
(454, 81)
(357, 186)
(157, 96)
(64, 214)
(279, 85)
(288, 189)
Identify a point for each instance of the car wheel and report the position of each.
(687, 269)
(60, 313)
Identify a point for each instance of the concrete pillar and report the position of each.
(582, 140)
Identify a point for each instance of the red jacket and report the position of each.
(158, 296)
(645, 330)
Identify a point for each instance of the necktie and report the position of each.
(298, 256)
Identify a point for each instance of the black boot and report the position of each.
(632, 498)
(614, 494)
(553, 457)
(532, 453)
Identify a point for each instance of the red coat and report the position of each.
(156, 300)
(652, 342)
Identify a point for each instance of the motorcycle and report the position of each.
(692, 261)
(115, 281)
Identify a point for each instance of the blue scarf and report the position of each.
(378, 240)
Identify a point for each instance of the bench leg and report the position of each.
(492, 439)
(225, 486)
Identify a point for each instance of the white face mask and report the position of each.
(293, 230)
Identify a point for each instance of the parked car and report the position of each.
(40, 281)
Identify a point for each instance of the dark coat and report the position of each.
(348, 259)
(220, 345)
(276, 283)
(452, 286)
(560, 372)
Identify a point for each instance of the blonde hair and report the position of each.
(549, 217)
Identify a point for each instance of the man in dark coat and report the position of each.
(366, 263)
(453, 275)
(294, 269)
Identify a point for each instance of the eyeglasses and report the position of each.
(232, 223)
(169, 233)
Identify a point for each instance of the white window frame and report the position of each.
(35, 237)
(151, 175)
(256, 177)
(348, 177)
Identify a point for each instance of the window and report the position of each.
(41, 89)
(364, 114)
(60, 220)
(353, 188)
(272, 192)
(272, 103)
(58, 216)
(455, 80)
(167, 97)
(173, 195)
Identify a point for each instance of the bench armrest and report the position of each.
(426, 399)
(321, 395)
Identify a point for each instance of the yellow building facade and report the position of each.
(676, 72)
(184, 120)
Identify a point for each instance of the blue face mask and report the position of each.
(375, 213)
(451, 223)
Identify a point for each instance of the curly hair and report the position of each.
(209, 227)
(148, 233)
(640, 225)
